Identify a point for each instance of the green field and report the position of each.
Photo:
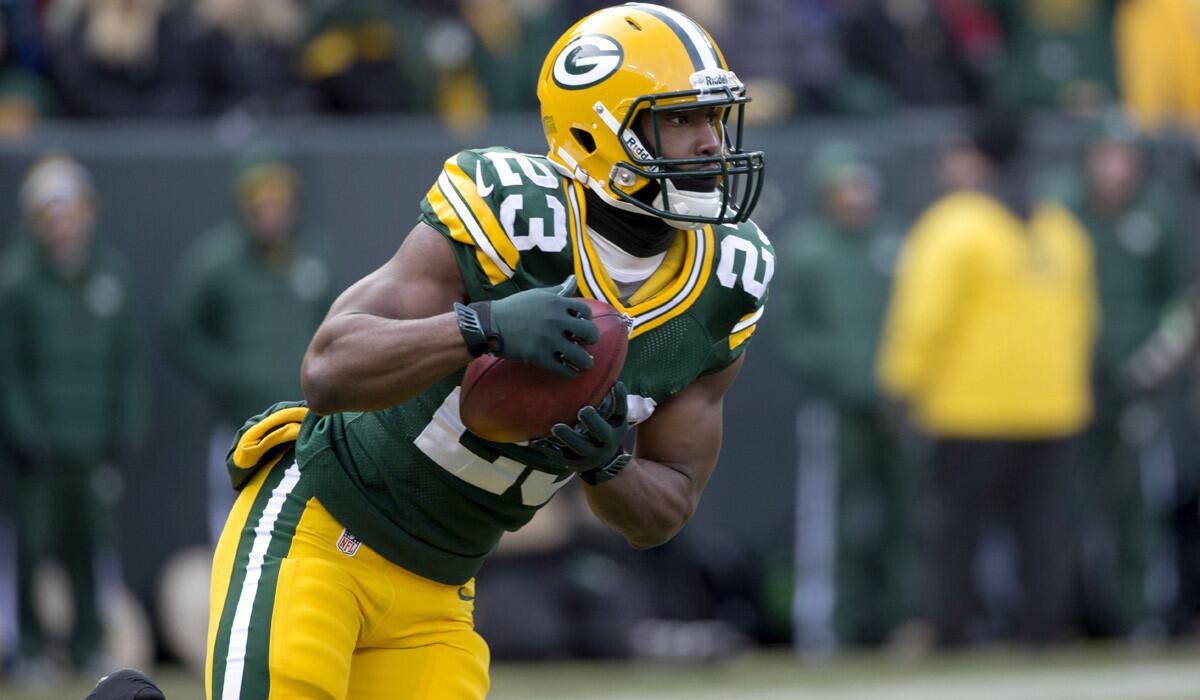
(1093, 673)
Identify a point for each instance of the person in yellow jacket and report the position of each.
(987, 341)
(1158, 49)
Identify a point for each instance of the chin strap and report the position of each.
(688, 203)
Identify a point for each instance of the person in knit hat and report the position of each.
(852, 533)
(72, 398)
(244, 301)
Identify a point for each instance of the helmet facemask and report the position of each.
(737, 173)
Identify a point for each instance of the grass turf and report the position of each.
(1117, 672)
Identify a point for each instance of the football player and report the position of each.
(347, 565)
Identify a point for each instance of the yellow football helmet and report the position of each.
(609, 68)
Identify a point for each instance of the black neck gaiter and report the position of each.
(640, 235)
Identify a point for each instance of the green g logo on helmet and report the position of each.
(587, 60)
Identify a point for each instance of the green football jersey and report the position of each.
(409, 480)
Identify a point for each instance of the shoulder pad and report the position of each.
(500, 203)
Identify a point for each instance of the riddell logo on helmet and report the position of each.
(586, 60)
(715, 80)
(635, 145)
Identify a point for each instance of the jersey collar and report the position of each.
(674, 299)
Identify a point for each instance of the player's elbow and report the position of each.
(660, 526)
(642, 543)
(318, 386)
(649, 539)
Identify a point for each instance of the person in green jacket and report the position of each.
(73, 395)
(852, 524)
(1138, 275)
(243, 304)
(1057, 55)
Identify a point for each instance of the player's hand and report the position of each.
(593, 447)
(543, 327)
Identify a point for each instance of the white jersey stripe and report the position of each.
(596, 287)
(593, 285)
(692, 281)
(748, 321)
(468, 218)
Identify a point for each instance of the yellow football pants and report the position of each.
(300, 609)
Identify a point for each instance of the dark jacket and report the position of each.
(73, 382)
(240, 323)
(833, 287)
(162, 85)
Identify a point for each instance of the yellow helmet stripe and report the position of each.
(694, 39)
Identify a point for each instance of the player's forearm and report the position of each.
(361, 362)
(648, 503)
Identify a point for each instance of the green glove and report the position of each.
(593, 447)
(541, 327)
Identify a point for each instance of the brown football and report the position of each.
(508, 401)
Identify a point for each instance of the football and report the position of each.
(508, 401)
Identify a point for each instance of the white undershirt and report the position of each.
(627, 271)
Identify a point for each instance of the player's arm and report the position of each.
(391, 334)
(677, 447)
(396, 331)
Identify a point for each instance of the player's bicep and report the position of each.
(421, 280)
(684, 433)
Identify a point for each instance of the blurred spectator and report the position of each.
(906, 51)
(484, 57)
(785, 52)
(1057, 54)
(569, 594)
(73, 398)
(988, 340)
(836, 274)
(25, 96)
(365, 56)
(1139, 272)
(245, 301)
(246, 53)
(572, 589)
(511, 40)
(1169, 358)
(1158, 49)
(25, 32)
(123, 58)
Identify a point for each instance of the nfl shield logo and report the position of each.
(348, 543)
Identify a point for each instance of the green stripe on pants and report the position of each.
(241, 654)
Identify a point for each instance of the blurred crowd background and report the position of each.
(970, 419)
(466, 59)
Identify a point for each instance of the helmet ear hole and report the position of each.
(586, 140)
